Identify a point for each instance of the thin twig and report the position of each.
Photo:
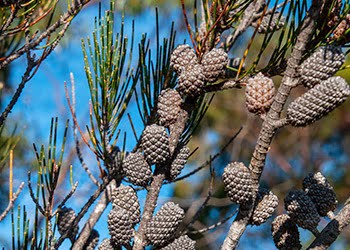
(67, 17)
(77, 142)
(203, 230)
(12, 202)
(63, 202)
(17, 94)
(206, 200)
(247, 19)
(208, 162)
(82, 212)
(31, 192)
(226, 84)
(333, 229)
(188, 26)
(75, 120)
(94, 216)
(9, 21)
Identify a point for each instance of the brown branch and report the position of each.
(331, 232)
(208, 162)
(65, 20)
(247, 19)
(268, 129)
(204, 204)
(140, 240)
(94, 216)
(67, 17)
(188, 26)
(9, 21)
(12, 202)
(82, 212)
(72, 107)
(151, 203)
(17, 94)
(226, 84)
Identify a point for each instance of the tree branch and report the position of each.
(269, 129)
(94, 216)
(331, 232)
(12, 202)
(67, 17)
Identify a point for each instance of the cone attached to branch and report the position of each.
(259, 93)
(106, 244)
(125, 197)
(168, 106)
(114, 162)
(120, 226)
(321, 65)
(137, 169)
(182, 243)
(321, 193)
(267, 203)
(238, 182)
(271, 22)
(66, 217)
(155, 144)
(285, 233)
(182, 56)
(214, 64)
(179, 162)
(161, 229)
(318, 102)
(191, 81)
(302, 210)
(92, 241)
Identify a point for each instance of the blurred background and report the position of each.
(295, 152)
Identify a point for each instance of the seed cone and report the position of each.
(125, 197)
(114, 162)
(120, 226)
(182, 243)
(301, 209)
(179, 162)
(191, 81)
(285, 233)
(321, 193)
(182, 56)
(270, 25)
(238, 182)
(161, 229)
(259, 93)
(92, 241)
(107, 244)
(214, 64)
(321, 65)
(137, 169)
(267, 203)
(66, 217)
(318, 102)
(168, 106)
(155, 144)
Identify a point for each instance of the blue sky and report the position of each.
(44, 98)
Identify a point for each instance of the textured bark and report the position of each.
(331, 232)
(94, 216)
(268, 129)
(140, 240)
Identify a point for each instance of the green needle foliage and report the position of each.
(153, 73)
(107, 58)
(124, 75)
